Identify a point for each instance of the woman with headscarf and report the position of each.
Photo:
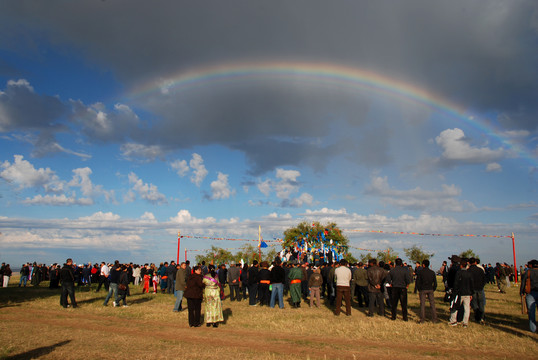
(194, 293)
(213, 304)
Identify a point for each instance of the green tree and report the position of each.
(365, 257)
(467, 254)
(388, 255)
(216, 256)
(315, 235)
(416, 254)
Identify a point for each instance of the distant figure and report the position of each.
(7, 275)
(67, 277)
(426, 284)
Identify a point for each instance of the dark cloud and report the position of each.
(479, 55)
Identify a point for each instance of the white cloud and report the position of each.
(493, 167)
(57, 200)
(22, 173)
(220, 188)
(303, 199)
(456, 148)
(146, 191)
(418, 198)
(184, 217)
(286, 186)
(265, 187)
(101, 216)
(181, 167)
(200, 172)
(140, 152)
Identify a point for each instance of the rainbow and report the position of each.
(326, 73)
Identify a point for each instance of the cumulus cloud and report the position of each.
(220, 188)
(285, 188)
(199, 170)
(23, 174)
(57, 200)
(148, 192)
(181, 167)
(458, 149)
(418, 198)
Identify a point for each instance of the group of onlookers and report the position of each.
(374, 285)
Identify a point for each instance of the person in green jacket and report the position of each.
(295, 276)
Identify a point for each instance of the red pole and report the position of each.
(185, 254)
(178, 243)
(514, 251)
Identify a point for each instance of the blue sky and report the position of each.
(413, 117)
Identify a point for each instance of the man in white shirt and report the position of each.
(103, 276)
(342, 275)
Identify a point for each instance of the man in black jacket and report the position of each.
(463, 287)
(426, 284)
(399, 279)
(253, 283)
(67, 277)
(478, 302)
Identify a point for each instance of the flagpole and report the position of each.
(260, 242)
(514, 251)
(178, 243)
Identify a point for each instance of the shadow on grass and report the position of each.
(38, 352)
(14, 296)
(226, 313)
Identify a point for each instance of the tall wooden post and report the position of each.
(178, 243)
(514, 251)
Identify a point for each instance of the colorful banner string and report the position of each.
(425, 234)
(227, 239)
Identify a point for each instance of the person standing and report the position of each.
(103, 276)
(295, 277)
(253, 283)
(360, 280)
(233, 281)
(426, 284)
(67, 277)
(264, 278)
(278, 277)
(123, 286)
(170, 277)
(500, 274)
(463, 287)
(478, 302)
(213, 304)
(314, 284)
(399, 278)
(25, 271)
(342, 275)
(531, 297)
(7, 275)
(376, 276)
(194, 293)
(115, 273)
(180, 285)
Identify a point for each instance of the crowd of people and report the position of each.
(375, 285)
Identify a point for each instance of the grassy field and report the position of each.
(33, 325)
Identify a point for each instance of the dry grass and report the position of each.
(33, 325)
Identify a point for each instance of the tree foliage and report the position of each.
(416, 254)
(315, 235)
(467, 254)
(388, 255)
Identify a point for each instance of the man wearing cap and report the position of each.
(531, 297)
(233, 281)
